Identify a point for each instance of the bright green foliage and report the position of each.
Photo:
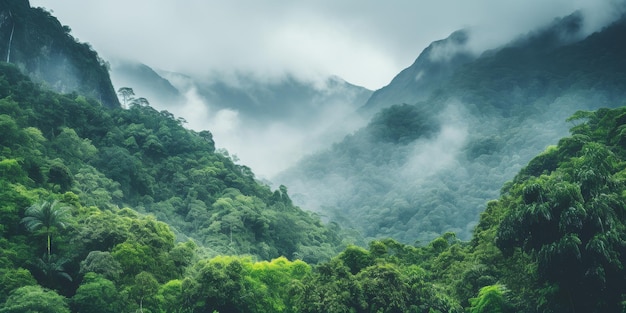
(144, 290)
(97, 294)
(11, 279)
(220, 285)
(147, 160)
(571, 219)
(392, 282)
(170, 296)
(491, 299)
(236, 284)
(274, 279)
(31, 299)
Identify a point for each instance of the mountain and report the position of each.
(247, 114)
(45, 50)
(145, 81)
(256, 101)
(145, 159)
(433, 66)
(423, 168)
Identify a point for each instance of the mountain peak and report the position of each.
(432, 67)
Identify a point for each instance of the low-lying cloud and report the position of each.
(432, 155)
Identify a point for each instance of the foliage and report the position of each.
(491, 299)
(96, 294)
(34, 299)
(570, 218)
(67, 165)
(47, 217)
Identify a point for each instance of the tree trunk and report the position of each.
(10, 41)
(48, 245)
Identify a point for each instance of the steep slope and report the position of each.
(248, 115)
(45, 50)
(491, 117)
(433, 67)
(145, 82)
(560, 223)
(146, 159)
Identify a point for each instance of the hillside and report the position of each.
(145, 159)
(433, 67)
(267, 123)
(552, 242)
(484, 123)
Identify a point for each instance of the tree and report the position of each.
(384, 288)
(96, 294)
(101, 263)
(491, 299)
(142, 102)
(126, 93)
(11, 279)
(52, 267)
(48, 217)
(59, 174)
(34, 299)
(145, 287)
(171, 296)
(571, 223)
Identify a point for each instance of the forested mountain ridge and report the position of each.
(44, 49)
(552, 242)
(250, 113)
(490, 117)
(146, 159)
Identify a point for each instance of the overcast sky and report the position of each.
(366, 42)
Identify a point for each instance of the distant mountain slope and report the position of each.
(491, 116)
(145, 82)
(45, 50)
(433, 67)
(268, 124)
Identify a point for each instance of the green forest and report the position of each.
(105, 208)
(85, 191)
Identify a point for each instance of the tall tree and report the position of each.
(48, 217)
(127, 94)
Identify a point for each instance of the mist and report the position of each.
(267, 126)
(365, 43)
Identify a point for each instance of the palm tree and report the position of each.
(52, 267)
(46, 216)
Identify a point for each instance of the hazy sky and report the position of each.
(366, 42)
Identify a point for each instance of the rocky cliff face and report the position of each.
(45, 50)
